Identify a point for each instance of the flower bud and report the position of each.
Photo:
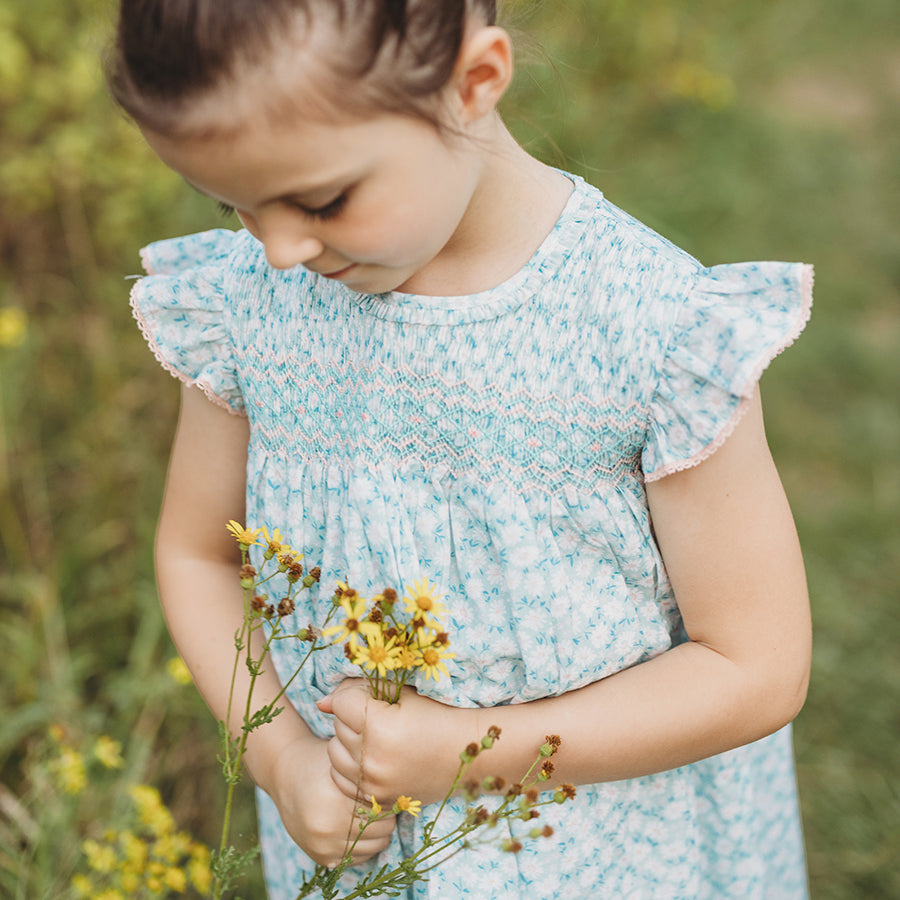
(285, 607)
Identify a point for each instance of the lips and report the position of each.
(339, 272)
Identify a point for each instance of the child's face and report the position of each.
(380, 204)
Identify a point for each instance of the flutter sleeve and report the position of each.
(733, 323)
(180, 308)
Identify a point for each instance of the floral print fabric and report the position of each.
(498, 444)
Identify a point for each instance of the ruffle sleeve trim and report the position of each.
(180, 309)
(736, 321)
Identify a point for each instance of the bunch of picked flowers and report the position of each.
(390, 646)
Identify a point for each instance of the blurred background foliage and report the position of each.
(740, 131)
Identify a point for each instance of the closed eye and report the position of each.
(224, 209)
(324, 213)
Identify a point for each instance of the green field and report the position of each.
(741, 131)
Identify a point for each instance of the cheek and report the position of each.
(400, 236)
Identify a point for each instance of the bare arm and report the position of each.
(731, 551)
(197, 564)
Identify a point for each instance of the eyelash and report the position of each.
(323, 213)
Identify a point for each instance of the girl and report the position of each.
(430, 356)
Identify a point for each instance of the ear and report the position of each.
(483, 72)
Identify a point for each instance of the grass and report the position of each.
(800, 162)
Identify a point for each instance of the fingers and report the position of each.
(347, 702)
(348, 786)
(346, 771)
(375, 838)
(350, 740)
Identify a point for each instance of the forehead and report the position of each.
(259, 161)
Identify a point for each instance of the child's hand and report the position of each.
(386, 750)
(318, 816)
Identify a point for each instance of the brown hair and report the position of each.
(392, 56)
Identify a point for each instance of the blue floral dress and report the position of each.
(499, 444)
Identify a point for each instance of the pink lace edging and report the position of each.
(748, 391)
(155, 348)
(145, 262)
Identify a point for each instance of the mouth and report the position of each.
(339, 273)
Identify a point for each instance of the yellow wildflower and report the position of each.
(376, 808)
(178, 671)
(100, 857)
(198, 869)
(175, 879)
(354, 608)
(432, 662)
(69, 768)
(407, 804)
(423, 601)
(172, 847)
(13, 326)
(135, 850)
(109, 895)
(108, 752)
(151, 810)
(82, 886)
(275, 543)
(377, 654)
(246, 537)
(130, 881)
(406, 658)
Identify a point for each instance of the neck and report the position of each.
(514, 205)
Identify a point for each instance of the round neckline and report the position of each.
(495, 301)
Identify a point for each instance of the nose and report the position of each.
(287, 242)
(287, 251)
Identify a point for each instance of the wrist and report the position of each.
(273, 744)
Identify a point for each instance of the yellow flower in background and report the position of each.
(151, 810)
(178, 671)
(100, 857)
(70, 771)
(13, 326)
(108, 752)
(432, 661)
(171, 847)
(423, 601)
(129, 880)
(378, 654)
(135, 850)
(198, 869)
(407, 804)
(246, 537)
(175, 879)
(82, 886)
